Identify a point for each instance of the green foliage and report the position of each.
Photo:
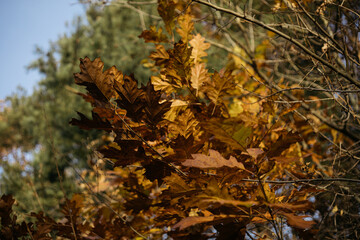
(36, 125)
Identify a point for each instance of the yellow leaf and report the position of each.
(176, 107)
(162, 85)
(186, 27)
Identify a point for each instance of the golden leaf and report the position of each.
(199, 75)
(199, 47)
(185, 124)
(162, 85)
(160, 56)
(176, 107)
(186, 27)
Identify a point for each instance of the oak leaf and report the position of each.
(214, 160)
(153, 35)
(199, 76)
(185, 125)
(160, 56)
(166, 10)
(297, 221)
(176, 107)
(220, 84)
(191, 221)
(92, 74)
(231, 131)
(199, 47)
(186, 27)
(161, 84)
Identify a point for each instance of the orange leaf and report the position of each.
(214, 160)
(190, 221)
(232, 202)
(297, 221)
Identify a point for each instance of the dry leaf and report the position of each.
(199, 47)
(214, 160)
(199, 75)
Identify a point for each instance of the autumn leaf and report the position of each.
(160, 56)
(199, 75)
(92, 73)
(176, 107)
(199, 47)
(218, 87)
(153, 35)
(231, 202)
(185, 124)
(254, 152)
(231, 131)
(296, 206)
(186, 27)
(297, 221)
(191, 221)
(166, 9)
(180, 65)
(161, 84)
(214, 160)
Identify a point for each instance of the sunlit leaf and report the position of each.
(214, 160)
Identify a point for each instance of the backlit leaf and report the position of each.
(92, 73)
(297, 221)
(214, 160)
(199, 75)
(199, 47)
(186, 27)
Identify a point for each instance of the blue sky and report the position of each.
(25, 24)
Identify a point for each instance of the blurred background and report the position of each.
(41, 43)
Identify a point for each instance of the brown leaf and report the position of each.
(218, 87)
(297, 206)
(176, 107)
(153, 35)
(230, 131)
(190, 221)
(166, 9)
(92, 73)
(254, 152)
(297, 221)
(231, 202)
(185, 125)
(96, 123)
(160, 56)
(214, 160)
(160, 84)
